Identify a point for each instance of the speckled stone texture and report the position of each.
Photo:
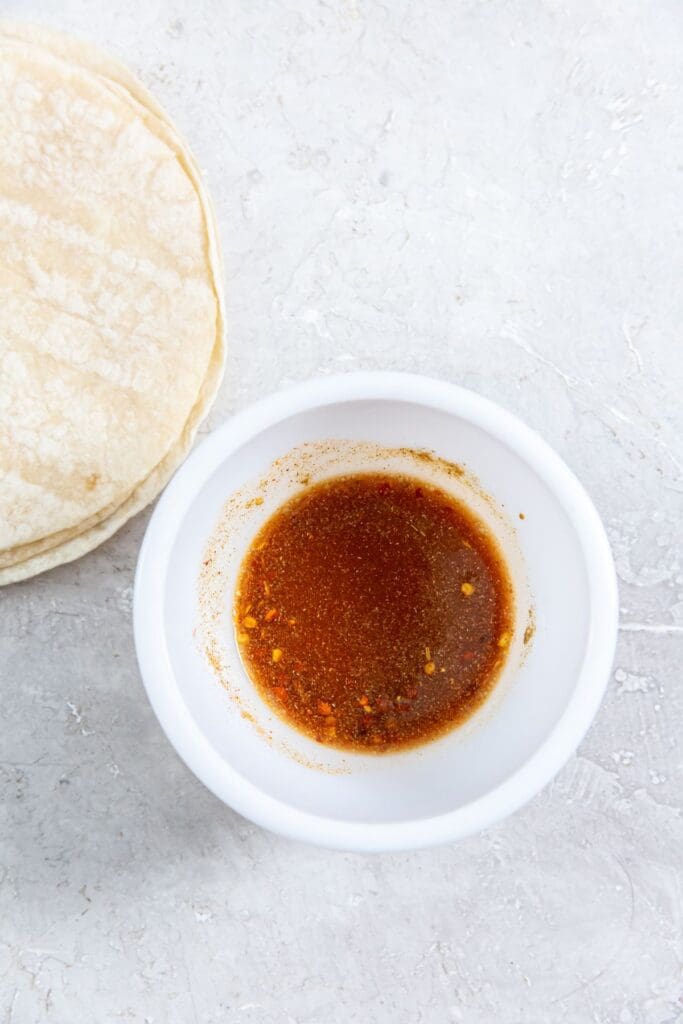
(491, 192)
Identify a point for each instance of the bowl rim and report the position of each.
(244, 796)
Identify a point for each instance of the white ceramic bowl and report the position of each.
(441, 791)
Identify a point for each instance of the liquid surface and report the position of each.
(373, 612)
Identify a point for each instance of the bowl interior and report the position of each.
(548, 567)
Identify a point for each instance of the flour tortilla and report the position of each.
(111, 311)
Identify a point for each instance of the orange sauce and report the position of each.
(373, 612)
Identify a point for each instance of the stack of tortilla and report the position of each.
(111, 309)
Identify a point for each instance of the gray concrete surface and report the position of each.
(493, 193)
